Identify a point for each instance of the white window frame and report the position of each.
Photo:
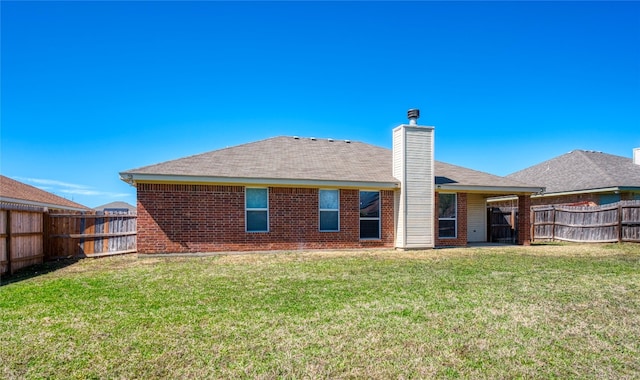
(320, 210)
(378, 218)
(247, 209)
(455, 218)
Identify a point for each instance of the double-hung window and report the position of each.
(369, 215)
(447, 215)
(329, 204)
(257, 209)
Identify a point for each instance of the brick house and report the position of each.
(288, 193)
(584, 177)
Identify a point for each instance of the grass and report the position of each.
(548, 311)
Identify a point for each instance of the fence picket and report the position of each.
(21, 235)
(618, 222)
(91, 235)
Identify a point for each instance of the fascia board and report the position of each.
(504, 198)
(41, 204)
(589, 191)
(490, 189)
(154, 178)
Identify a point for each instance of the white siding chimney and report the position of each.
(636, 156)
(413, 166)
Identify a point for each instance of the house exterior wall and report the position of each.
(211, 218)
(461, 236)
(594, 198)
(566, 199)
(477, 218)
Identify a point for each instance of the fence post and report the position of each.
(620, 222)
(532, 224)
(553, 223)
(8, 243)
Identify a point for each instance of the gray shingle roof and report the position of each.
(458, 175)
(581, 170)
(292, 158)
(285, 158)
(117, 204)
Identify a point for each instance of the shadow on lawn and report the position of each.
(36, 270)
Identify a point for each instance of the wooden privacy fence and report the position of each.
(616, 222)
(82, 235)
(21, 237)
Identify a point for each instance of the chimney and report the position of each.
(636, 156)
(413, 167)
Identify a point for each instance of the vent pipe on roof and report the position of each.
(636, 156)
(413, 115)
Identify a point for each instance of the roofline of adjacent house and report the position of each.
(511, 190)
(563, 193)
(600, 190)
(133, 178)
(41, 204)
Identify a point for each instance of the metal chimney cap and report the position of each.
(413, 115)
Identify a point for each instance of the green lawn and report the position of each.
(550, 311)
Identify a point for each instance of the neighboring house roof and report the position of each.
(116, 205)
(307, 161)
(12, 191)
(580, 171)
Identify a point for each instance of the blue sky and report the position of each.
(90, 89)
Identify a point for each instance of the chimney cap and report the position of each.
(413, 115)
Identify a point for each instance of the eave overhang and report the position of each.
(135, 178)
(41, 204)
(613, 189)
(497, 190)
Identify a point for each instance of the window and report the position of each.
(329, 203)
(447, 216)
(257, 210)
(369, 215)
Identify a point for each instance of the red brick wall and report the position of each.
(564, 199)
(211, 218)
(461, 237)
(524, 219)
